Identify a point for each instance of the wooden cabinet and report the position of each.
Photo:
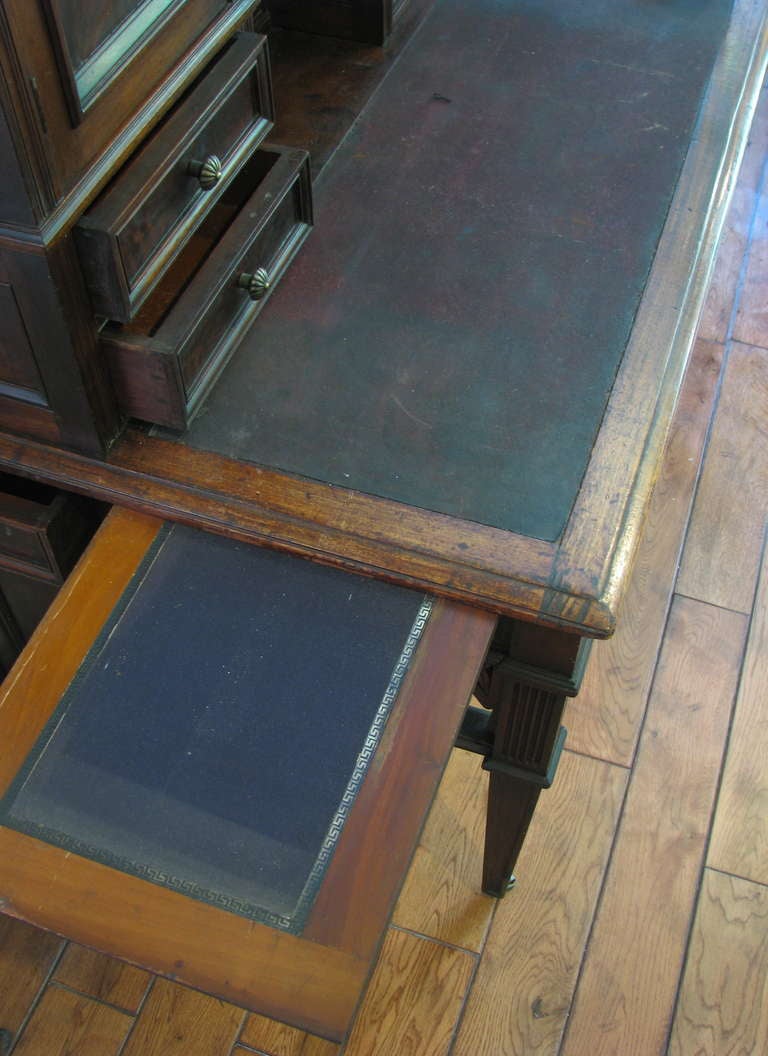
(364, 20)
(124, 137)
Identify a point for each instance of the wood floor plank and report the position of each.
(519, 1002)
(176, 1021)
(276, 1039)
(414, 999)
(723, 1005)
(722, 551)
(64, 1024)
(751, 321)
(102, 977)
(604, 719)
(27, 955)
(626, 993)
(442, 895)
(716, 315)
(739, 841)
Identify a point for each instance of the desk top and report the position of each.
(466, 382)
(450, 334)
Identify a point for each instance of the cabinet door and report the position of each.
(93, 77)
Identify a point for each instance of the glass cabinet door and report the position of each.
(95, 40)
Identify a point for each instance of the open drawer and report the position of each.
(131, 234)
(228, 762)
(165, 360)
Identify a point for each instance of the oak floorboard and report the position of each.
(739, 841)
(604, 719)
(414, 999)
(27, 955)
(271, 1038)
(520, 999)
(723, 1006)
(67, 1024)
(722, 550)
(176, 1021)
(102, 977)
(626, 994)
(716, 315)
(442, 895)
(750, 324)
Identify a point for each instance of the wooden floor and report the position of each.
(639, 925)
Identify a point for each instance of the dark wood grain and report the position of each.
(65, 1022)
(129, 236)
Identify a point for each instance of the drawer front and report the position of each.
(129, 237)
(166, 360)
(269, 245)
(82, 130)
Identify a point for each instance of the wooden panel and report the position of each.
(521, 996)
(723, 1005)
(627, 988)
(277, 1039)
(65, 1023)
(740, 835)
(414, 999)
(604, 719)
(26, 957)
(714, 324)
(176, 1021)
(441, 897)
(722, 551)
(102, 977)
(18, 368)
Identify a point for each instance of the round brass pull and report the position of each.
(208, 172)
(256, 284)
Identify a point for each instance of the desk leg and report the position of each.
(519, 735)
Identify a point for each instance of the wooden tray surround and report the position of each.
(570, 573)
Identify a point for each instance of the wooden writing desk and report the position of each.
(465, 384)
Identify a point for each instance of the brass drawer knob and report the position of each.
(208, 172)
(256, 284)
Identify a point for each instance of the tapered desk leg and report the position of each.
(526, 679)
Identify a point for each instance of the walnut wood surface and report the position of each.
(576, 583)
(626, 997)
(69, 163)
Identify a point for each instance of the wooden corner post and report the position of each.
(527, 675)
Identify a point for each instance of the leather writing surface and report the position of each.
(217, 732)
(450, 335)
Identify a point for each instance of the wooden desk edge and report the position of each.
(313, 980)
(574, 585)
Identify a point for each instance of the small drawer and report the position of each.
(42, 531)
(135, 229)
(164, 362)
